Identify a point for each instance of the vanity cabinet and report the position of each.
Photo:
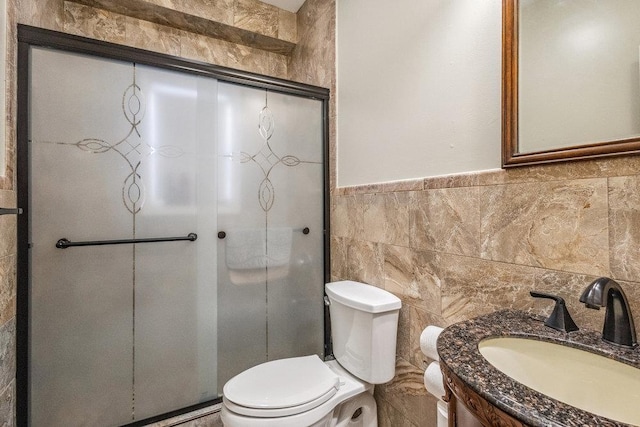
(493, 398)
(468, 409)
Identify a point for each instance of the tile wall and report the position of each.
(8, 246)
(456, 247)
(118, 22)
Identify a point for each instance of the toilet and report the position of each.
(308, 392)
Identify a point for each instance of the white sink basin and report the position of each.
(585, 380)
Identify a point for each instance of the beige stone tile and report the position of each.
(339, 263)
(446, 220)
(375, 220)
(624, 227)
(312, 10)
(396, 213)
(313, 59)
(214, 10)
(333, 157)
(595, 168)
(219, 52)
(28, 12)
(188, 21)
(7, 181)
(7, 288)
(8, 224)
(364, 189)
(47, 14)
(414, 276)
(385, 187)
(213, 51)
(7, 353)
(407, 394)
(388, 416)
(420, 319)
(386, 218)
(256, 17)
(452, 181)
(403, 185)
(8, 404)
(170, 4)
(541, 173)
(472, 286)
(94, 23)
(287, 26)
(618, 166)
(366, 262)
(154, 37)
(559, 225)
(403, 341)
(347, 216)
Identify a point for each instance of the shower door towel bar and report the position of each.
(223, 234)
(65, 243)
(10, 211)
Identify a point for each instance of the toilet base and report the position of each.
(359, 411)
(347, 414)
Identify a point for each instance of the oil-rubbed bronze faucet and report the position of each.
(618, 322)
(560, 318)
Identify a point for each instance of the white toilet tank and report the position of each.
(364, 327)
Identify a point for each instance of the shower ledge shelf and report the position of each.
(146, 10)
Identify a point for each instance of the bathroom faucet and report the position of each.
(618, 321)
(560, 318)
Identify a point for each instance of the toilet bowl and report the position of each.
(308, 392)
(291, 410)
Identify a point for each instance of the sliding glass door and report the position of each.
(176, 236)
(120, 332)
(270, 260)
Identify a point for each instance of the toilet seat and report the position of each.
(281, 388)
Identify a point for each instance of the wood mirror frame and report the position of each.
(510, 155)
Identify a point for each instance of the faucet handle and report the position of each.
(560, 318)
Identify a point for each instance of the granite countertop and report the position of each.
(458, 349)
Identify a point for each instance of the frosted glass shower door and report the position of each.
(270, 213)
(120, 333)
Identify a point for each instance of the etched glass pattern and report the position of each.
(120, 151)
(120, 333)
(270, 274)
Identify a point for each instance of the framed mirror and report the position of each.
(570, 80)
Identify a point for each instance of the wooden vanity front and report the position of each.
(480, 395)
(468, 409)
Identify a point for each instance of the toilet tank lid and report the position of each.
(362, 296)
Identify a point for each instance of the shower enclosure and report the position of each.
(174, 231)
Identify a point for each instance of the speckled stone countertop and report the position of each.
(458, 349)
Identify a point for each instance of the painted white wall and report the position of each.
(579, 78)
(418, 88)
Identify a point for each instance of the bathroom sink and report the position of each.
(576, 377)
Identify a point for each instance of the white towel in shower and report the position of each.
(250, 251)
(279, 246)
(246, 249)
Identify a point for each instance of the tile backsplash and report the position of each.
(460, 246)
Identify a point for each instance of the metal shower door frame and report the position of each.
(29, 37)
